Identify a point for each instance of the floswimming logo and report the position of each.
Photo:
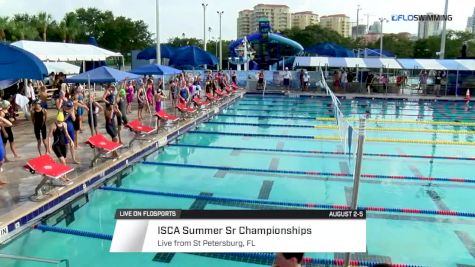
(428, 17)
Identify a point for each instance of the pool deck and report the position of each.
(18, 212)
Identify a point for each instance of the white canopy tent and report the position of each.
(63, 67)
(53, 51)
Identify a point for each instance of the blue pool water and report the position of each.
(428, 240)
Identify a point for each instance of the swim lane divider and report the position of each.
(64, 230)
(266, 256)
(322, 152)
(337, 138)
(455, 123)
(311, 173)
(412, 130)
(289, 204)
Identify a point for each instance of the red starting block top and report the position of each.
(162, 114)
(221, 93)
(184, 108)
(45, 165)
(99, 141)
(200, 102)
(211, 97)
(138, 127)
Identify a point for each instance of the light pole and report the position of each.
(209, 33)
(382, 20)
(444, 25)
(357, 20)
(220, 13)
(204, 25)
(157, 21)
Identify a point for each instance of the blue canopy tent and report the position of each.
(155, 69)
(151, 52)
(192, 56)
(330, 50)
(367, 52)
(16, 63)
(102, 75)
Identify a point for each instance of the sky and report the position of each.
(186, 16)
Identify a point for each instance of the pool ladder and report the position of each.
(44, 260)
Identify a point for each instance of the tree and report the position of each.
(44, 20)
(315, 34)
(179, 42)
(70, 26)
(22, 28)
(4, 21)
(93, 22)
(398, 44)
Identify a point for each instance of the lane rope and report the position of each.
(63, 230)
(289, 204)
(311, 173)
(412, 130)
(322, 152)
(337, 138)
(266, 256)
(456, 123)
(448, 115)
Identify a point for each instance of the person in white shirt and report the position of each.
(344, 79)
(30, 93)
(306, 80)
(287, 77)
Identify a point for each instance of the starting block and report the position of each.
(102, 147)
(140, 130)
(51, 172)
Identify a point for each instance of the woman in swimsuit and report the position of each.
(92, 115)
(3, 123)
(61, 139)
(159, 96)
(141, 101)
(109, 113)
(130, 96)
(70, 117)
(7, 133)
(150, 94)
(79, 108)
(122, 117)
(38, 117)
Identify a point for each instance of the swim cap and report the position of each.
(5, 104)
(60, 117)
(69, 104)
(122, 92)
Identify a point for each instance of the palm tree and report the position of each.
(22, 30)
(4, 21)
(70, 25)
(64, 31)
(44, 20)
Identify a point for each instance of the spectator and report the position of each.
(234, 77)
(306, 80)
(344, 80)
(288, 260)
(437, 82)
(287, 77)
(301, 79)
(260, 81)
(30, 93)
(423, 76)
(369, 81)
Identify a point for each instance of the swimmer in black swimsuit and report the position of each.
(61, 139)
(38, 117)
(110, 113)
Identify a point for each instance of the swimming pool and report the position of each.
(265, 149)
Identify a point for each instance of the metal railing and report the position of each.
(35, 259)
